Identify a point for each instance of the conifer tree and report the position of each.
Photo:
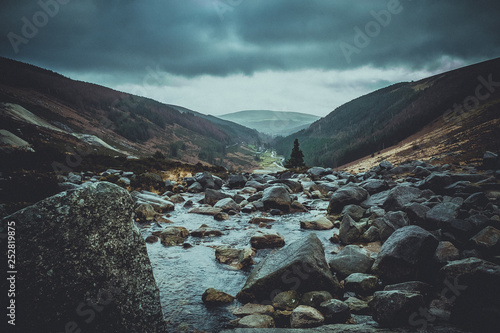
(296, 157)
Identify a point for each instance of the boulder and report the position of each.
(315, 298)
(236, 258)
(437, 182)
(286, 300)
(87, 248)
(277, 197)
(417, 215)
(213, 196)
(216, 297)
(487, 240)
(335, 311)
(442, 213)
(358, 306)
(236, 181)
(267, 240)
(352, 259)
(346, 195)
(417, 287)
(256, 321)
(293, 185)
(391, 222)
(205, 179)
(205, 231)
(400, 196)
(171, 236)
(145, 212)
(446, 252)
(212, 211)
(252, 309)
(305, 316)
(354, 211)
(195, 188)
(158, 203)
(374, 185)
(490, 160)
(227, 204)
(361, 284)
(350, 231)
(394, 308)
(317, 223)
(406, 255)
(317, 172)
(299, 266)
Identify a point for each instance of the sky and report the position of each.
(223, 56)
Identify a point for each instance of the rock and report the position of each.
(461, 229)
(213, 196)
(352, 259)
(371, 235)
(305, 317)
(394, 308)
(216, 297)
(476, 200)
(442, 212)
(391, 222)
(236, 181)
(159, 204)
(350, 231)
(195, 188)
(298, 207)
(124, 180)
(490, 160)
(361, 284)
(236, 258)
(87, 247)
(406, 255)
(374, 185)
(350, 194)
(299, 266)
(227, 204)
(386, 165)
(275, 212)
(417, 215)
(417, 287)
(437, 182)
(251, 309)
(258, 220)
(205, 211)
(317, 172)
(286, 300)
(446, 252)
(335, 311)
(267, 240)
(354, 211)
(375, 200)
(221, 216)
(315, 298)
(145, 212)
(205, 231)
(255, 184)
(399, 197)
(276, 197)
(358, 306)
(487, 240)
(318, 223)
(256, 321)
(177, 198)
(151, 239)
(206, 180)
(171, 236)
(293, 185)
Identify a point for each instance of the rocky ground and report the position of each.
(413, 247)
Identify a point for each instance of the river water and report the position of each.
(182, 275)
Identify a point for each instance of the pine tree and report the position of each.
(296, 157)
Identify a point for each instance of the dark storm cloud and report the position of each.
(223, 37)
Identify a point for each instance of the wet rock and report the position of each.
(212, 211)
(171, 236)
(417, 215)
(236, 181)
(461, 229)
(206, 180)
(487, 240)
(354, 211)
(205, 231)
(177, 198)
(400, 196)
(293, 185)
(145, 212)
(236, 258)
(476, 200)
(221, 216)
(350, 231)
(358, 306)
(318, 223)
(252, 309)
(417, 287)
(94, 251)
(361, 284)
(406, 255)
(372, 234)
(350, 194)
(376, 200)
(317, 172)
(315, 298)
(352, 259)
(437, 182)
(393, 308)
(159, 204)
(442, 213)
(305, 317)
(286, 300)
(151, 239)
(275, 212)
(335, 311)
(298, 207)
(490, 160)
(276, 197)
(256, 185)
(227, 204)
(299, 266)
(267, 240)
(446, 252)
(216, 297)
(195, 188)
(391, 222)
(374, 185)
(213, 196)
(256, 321)
(258, 220)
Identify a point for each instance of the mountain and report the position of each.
(272, 122)
(41, 110)
(459, 110)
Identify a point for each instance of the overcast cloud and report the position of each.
(221, 56)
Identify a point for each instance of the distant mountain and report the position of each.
(466, 101)
(272, 122)
(44, 110)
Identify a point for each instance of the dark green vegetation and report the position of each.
(296, 157)
(272, 122)
(383, 118)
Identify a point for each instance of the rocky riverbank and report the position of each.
(397, 248)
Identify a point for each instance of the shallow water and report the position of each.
(182, 275)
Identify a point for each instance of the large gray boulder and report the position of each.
(394, 308)
(277, 197)
(391, 222)
(400, 196)
(352, 259)
(443, 213)
(350, 194)
(213, 196)
(299, 266)
(82, 263)
(406, 255)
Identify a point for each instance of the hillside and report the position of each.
(272, 122)
(52, 112)
(445, 105)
